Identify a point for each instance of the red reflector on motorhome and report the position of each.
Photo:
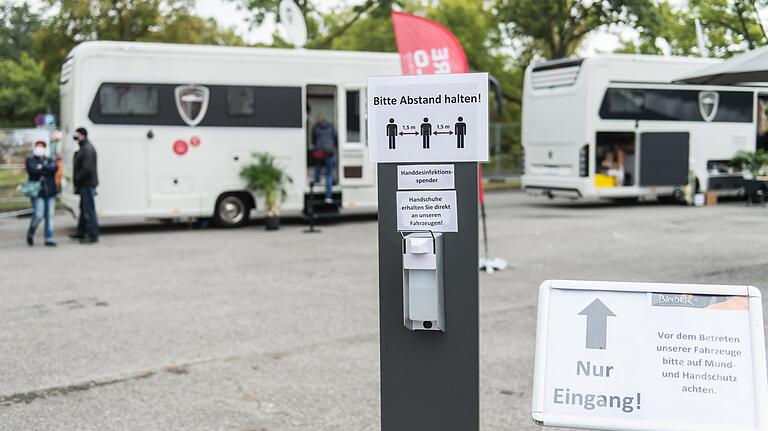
(180, 147)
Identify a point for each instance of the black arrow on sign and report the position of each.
(444, 133)
(409, 133)
(597, 324)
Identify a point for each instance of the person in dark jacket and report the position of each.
(85, 178)
(42, 168)
(324, 140)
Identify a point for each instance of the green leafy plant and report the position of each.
(754, 162)
(266, 177)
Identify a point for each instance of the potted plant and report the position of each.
(267, 178)
(755, 163)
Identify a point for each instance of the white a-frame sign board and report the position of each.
(650, 357)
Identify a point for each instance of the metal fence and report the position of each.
(506, 158)
(15, 146)
(12, 202)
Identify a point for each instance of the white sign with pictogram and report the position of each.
(428, 118)
(650, 357)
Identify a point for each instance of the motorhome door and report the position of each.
(664, 158)
(353, 162)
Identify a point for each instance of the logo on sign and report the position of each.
(708, 103)
(192, 103)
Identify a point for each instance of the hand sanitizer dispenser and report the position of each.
(423, 296)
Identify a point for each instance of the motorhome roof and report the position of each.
(100, 47)
(619, 58)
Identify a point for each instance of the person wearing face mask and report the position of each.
(41, 168)
(85, 178)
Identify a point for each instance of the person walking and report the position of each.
(41, 168)
(85, 178)
(324, 139)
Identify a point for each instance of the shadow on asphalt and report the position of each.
(139, 227)
(616, 203)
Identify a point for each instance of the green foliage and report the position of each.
(322, 29)
(556, 28)
(731, 27)
(24, 91)
(754, 162)
(667, 22)
(367, 34)
(17, 23)
(265, 177)
(195, 30)
(478, 30)
(32, 51)
(126, 20)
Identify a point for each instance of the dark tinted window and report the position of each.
(129, 100)
(240, 101)
(353, 116)
(673, 105)
(229, 106)
(245, 106)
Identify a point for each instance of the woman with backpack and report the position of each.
(41, 188)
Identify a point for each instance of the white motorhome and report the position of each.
(173, 125)
(622, 126)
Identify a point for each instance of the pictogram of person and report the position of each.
(391, 133)
(460, 129)
(426, 131)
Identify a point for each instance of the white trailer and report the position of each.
(173, 125)
(622, 126)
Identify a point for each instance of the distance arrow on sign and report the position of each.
(597, 324)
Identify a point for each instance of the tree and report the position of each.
(367, 34)
(78, 21)
(322, 30)
(731, 27)
(675, 26)
(17, 23)
(556, 28)
(477, 28)
(24, 91)
(195, 30)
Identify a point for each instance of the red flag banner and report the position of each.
(427, 47)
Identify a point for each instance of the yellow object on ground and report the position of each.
(602, 180)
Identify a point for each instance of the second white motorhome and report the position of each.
(173, 125)
(621, 126)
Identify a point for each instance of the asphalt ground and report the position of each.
(162, 327)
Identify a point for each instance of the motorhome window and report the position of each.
(129, 100)
(673, 105)
(353, 116)
(240, 101)
(251, 106)
(228, 106)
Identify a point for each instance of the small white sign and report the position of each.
(425, 177)
(652, 357)
(428, 118)
(427, 210)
